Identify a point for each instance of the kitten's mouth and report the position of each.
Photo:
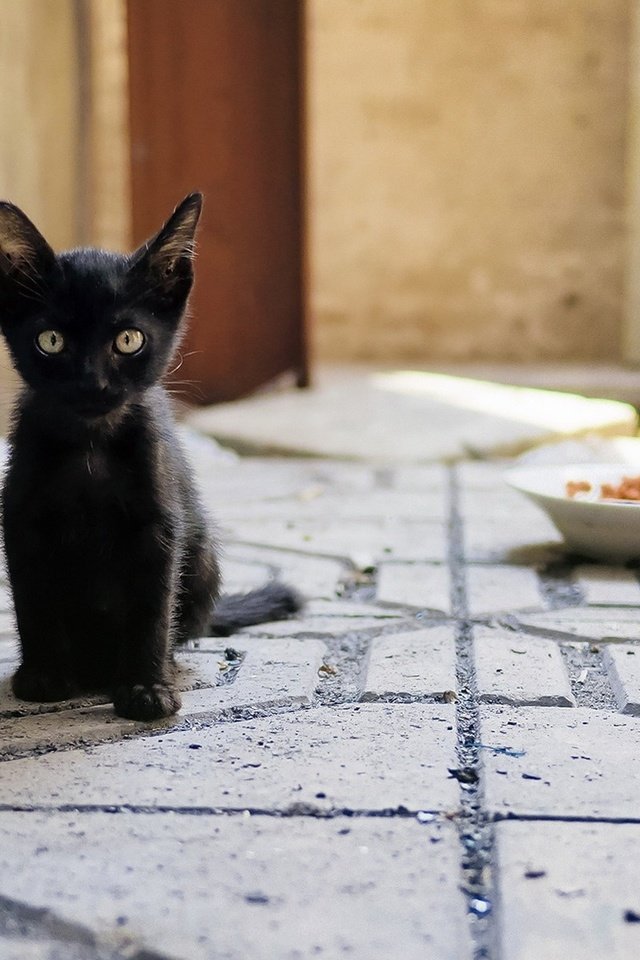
(93, 409)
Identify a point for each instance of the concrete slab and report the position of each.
(312, 576)
(177, 886)
(239, 575)
(562, 763)
(274, 673)
(363, 543)
(349, 608)
(236, 479)
(522, 671)
(354, 412)
(318, 626)
(420, 585)
(622, 663)
(415, 664)
(491, 589)
(8, 647)
(430, 477)
(588, 623)
(568, 890)
(372, 756)
(495, 500)
(608, 586)
(428, 504)
(510, 539)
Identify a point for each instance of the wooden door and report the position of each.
(216, 105)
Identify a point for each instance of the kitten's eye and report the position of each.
(50, 341)
(129, 341)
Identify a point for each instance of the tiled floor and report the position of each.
(439, 758)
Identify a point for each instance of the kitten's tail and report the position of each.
(274, 601)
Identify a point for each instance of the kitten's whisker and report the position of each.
(183, 383)
(186, 389)
(183, 356)
(21, 270)
(177, 367)
(195, 391)
(35, 290)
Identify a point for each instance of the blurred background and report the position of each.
(440, 184)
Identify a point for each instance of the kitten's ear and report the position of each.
(166, 261)
(26, 258)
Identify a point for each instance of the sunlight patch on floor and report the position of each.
(551, 409)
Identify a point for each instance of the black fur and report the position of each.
(109, 554)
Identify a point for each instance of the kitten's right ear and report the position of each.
(162, 269)
(25, 256)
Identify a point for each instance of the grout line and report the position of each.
(309, 811)
(424, 817)
(474, 826)
(561, 818)
(594, 691)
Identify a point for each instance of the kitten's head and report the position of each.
(88, 329)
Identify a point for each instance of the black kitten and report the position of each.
(109, 555)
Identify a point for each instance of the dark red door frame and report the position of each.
(216, 104)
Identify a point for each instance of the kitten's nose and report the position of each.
(92, 380)
(92, 388)
(92, 398)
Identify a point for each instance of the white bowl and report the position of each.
(606, 530)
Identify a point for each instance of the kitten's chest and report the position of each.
(80, 494)
(94, 470)
(93, 479)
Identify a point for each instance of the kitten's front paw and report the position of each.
(146, 702)
(39, 686)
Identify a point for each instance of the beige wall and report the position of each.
(466, 166)
(466, 177)
(39, 161)
(63, 121)
(631, 325)
(39, 105)
(107, 202)
(63, 117)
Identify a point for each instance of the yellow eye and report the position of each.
(129, 341)
(50, 341)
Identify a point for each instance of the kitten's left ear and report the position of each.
(167, 259)
(26, 259)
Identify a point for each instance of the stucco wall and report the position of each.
(39, 110)
(467, 178)
(466, 166)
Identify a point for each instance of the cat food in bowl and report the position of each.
(627, 489)
(592, 505)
